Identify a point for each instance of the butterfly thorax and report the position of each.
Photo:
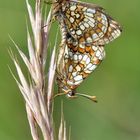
(64, 87)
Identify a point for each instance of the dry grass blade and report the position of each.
(30, 48)
(36, 93)
(22, 78)
(31, 15)
(32, 123)
(62, 129)
(38, 27)
(34, 90)
(51, 76)
(45, 35)
(22, 90)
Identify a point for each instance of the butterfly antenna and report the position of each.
(92, 98)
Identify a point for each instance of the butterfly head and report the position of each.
(69, 91)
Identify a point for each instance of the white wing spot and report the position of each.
(79, 56)
(89, 39)
(91, 24)
(114, 35)
(70, 54)
(77, 82)
(103, 17)
(78, 32)
(88, 60)
(75, 57)
(82, 27)
(74, 73)
(77, 15)
(91, 19)
(70, 83)
(71, 19)
(73, 32)
(85, 57)
(72, 8)
(98, 53)
(104, 29)
(94, 48)
(91, 11)
(104, 22)
(78, 78)
(86, 19)
(82, 46)
(94, 36)
(70, 68)
(78, 68)
(89, 14)
(72, 13)
(93, 67)
(89, 65)
(86, 25)
(85, 8)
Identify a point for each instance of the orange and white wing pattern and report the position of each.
(77, 61)
(80, 64)
(89, 23)
(85, 29)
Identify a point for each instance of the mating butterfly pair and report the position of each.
(85, 29)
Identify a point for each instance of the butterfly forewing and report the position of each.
(89, 23)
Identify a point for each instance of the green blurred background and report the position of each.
(116, 83)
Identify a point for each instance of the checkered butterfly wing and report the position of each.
(88, 23)
(80, 62)
(87, 29)
(77, 63)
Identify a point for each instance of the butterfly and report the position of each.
(85, 29)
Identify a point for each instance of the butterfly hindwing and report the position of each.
(81, 60)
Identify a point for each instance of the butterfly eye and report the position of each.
(71, 93)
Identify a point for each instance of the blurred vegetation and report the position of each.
(116, 83)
